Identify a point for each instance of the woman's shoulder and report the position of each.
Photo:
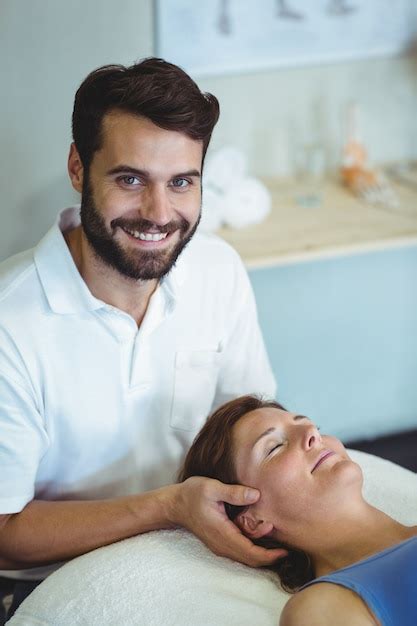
(326, 604)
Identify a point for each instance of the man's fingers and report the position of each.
(256, 556)
(220, 534)
(239, 495)
(210, 489)
(241, 548)
(267, 556)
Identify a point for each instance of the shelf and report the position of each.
(341, 225)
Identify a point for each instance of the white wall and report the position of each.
(48, 46)
(268, 114)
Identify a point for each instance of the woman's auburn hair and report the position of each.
(211, 455)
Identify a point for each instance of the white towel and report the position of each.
(245, 203)
(212, 209)
(169, 578)
(224, 167)
(230, 197)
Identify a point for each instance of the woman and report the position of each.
(349, 562)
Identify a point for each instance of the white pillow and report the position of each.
(169, 578)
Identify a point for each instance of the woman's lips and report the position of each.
(323, 456)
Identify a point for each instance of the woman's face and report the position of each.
(301, 475)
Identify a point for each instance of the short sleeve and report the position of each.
(23, 442)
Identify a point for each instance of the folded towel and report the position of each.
(230, 197)
(246, 203)
(212, 209)
(169, 578)
(224, 167)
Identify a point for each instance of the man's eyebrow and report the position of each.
(190, 173)
(124, 169)
(268, 431)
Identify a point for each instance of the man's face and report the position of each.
(141, 198)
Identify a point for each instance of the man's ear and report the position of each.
(75, 168)
(251, 526)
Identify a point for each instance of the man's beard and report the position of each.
(135, 264)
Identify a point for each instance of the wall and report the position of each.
(48, 46)
(342, 338)
(342, 333)
(269, 114)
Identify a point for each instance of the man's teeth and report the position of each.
(146, 236)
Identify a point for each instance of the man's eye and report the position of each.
(130, 181)
(180, 183)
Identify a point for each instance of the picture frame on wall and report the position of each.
(231, 36)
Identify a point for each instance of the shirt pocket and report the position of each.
(195, 381)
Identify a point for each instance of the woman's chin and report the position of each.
(348, 473)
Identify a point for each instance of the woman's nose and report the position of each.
(311, 437)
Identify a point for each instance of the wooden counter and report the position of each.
(342, 224)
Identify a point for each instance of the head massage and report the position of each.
(163, 318)
(157, 577)
(311, 490)
(243, 442)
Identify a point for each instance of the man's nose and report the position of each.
(311, 437)
(156, 205)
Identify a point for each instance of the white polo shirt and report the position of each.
(91, 406)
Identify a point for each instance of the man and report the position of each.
(119, 334)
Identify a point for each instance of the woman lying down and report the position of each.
(348, 562)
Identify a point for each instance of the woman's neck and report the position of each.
(356, 537)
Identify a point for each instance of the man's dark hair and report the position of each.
(154, 89)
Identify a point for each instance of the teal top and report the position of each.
(386, 582)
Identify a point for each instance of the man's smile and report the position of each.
(148, 239)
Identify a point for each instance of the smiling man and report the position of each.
(120, 332)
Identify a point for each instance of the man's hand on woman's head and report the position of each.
(198, 505)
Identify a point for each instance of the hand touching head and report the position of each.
(213, 454)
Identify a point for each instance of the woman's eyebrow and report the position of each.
(270, 430)
(267, 432)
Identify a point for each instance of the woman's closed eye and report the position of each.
(277, 445)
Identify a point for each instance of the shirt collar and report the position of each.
(64, 288)
(63, 285)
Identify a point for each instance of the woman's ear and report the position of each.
(251, 526)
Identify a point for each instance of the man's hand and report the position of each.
(197, 504)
